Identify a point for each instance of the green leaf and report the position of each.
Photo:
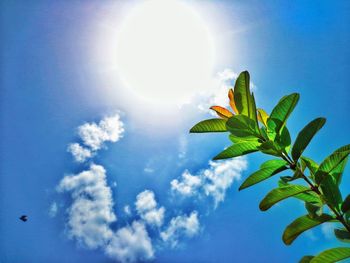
(267, 170)
(306, 259)
(270, 148)
(302, 224)
(253, 113)
(211, 125)
(305, 136)
(332, 255)
(338, 171)
(283, 140)
(342, 234)
(314, 209)
(310, 164)
(242, 126)
(238, 149)
(331, 163)
(279, 194)
(345, 207)
(331, 192)
(235, 139)
(281, 112)
(310, 197)
(242, 95)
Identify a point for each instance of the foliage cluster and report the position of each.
(317, 185)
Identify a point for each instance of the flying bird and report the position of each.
(24, 218)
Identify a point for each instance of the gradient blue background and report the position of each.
(47, 91)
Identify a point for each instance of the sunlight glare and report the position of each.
(165, 52)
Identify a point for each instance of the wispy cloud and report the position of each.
(328, 230)
(213, 181)
(180, 226)
(53, 210)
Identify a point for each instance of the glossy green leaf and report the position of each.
(331, 163)
(305, 136)
(238, 149)
(253, 112)
(310, 196)
(310, 164)
(302, 224)
(241, 94)
(306, 259)
(267, 170)
(345, 207)
(269, 147)
(314, 209)
(279, 194)
(342, 234)
(242, 126)
(281, 112)
(211, 125)
(332, 255)
(235, 139)
(331, 192)
(283, 140)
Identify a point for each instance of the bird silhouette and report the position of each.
(24, 218)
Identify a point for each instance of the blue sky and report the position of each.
(57, 76)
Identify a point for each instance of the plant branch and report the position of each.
(315, 189)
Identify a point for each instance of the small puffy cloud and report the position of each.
(145, 201)
(146, 207)
(180, 226)
(53, 209)
(187, 185)
(79, 153)
(213, 181)
(91, 213)
(94, 135)
(130, 244)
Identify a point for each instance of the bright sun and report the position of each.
(164, 51)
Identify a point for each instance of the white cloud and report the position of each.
(146, 207)
(213, 181)
(94, 135)
(131, 244)
(181, 226)
(187, 185)
(91, 212)
(53, 210)
(79, 153)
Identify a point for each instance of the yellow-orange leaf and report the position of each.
(232, 102)
(222, 112)
(262, 116)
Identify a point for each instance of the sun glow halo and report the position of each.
(164, 52)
